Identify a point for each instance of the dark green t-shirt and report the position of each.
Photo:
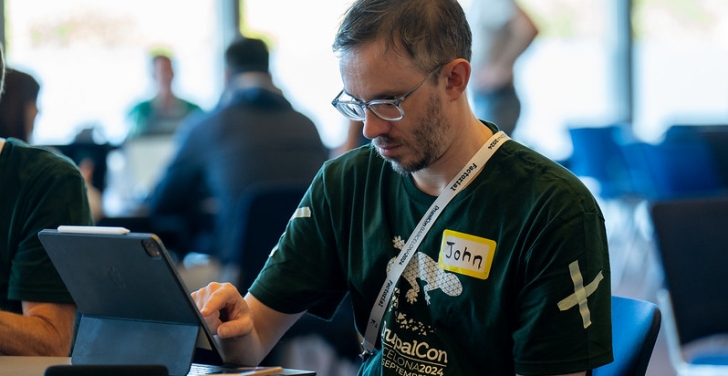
(513, 276)
(38, 190)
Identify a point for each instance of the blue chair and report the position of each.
(597, 154)
(682, 169)
(683, 165)
(714, 135)
(635, 326)
(692, 242)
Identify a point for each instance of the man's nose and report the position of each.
(375, 126)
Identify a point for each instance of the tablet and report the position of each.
(135, 309)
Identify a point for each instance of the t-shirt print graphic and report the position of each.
(427, 270)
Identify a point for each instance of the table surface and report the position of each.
(36, 365)
(29, 365)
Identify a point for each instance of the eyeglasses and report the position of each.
(386, 109)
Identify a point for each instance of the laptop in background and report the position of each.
(145, 161)
(135, 309)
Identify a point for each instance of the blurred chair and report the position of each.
(599, 160)
(715, 136)
(263, 213)
(597, 154)
(635, 326)
(677, 169)
(692, 240)
(97, 153)
(718, 143)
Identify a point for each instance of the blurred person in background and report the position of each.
(18, 112)
(162, 114)
(502, 31)
(254, 136)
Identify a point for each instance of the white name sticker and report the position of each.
(466, 254)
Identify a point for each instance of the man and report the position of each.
(502, 31)
(510, 276)
(39, 190)
(162, 114)
(254, 137)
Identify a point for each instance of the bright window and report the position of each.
(564, 78)
(681, 55)
(92, 58)
(300, 35)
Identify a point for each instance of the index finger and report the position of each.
(215, 297)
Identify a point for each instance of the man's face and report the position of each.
(420, 138)
(163, 72)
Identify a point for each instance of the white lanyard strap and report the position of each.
(461, 180)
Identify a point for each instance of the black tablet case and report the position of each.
(135, 309)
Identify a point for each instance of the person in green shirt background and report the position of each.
(162, 114)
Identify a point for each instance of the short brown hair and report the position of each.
(431, 32)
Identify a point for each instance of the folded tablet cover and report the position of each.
(135, 308)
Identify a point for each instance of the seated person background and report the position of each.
(39, 190)
(254, 136)
(162, 114)
(463, 252)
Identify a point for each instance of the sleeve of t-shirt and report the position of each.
(564, 319)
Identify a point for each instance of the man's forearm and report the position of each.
(38, 335)
(245, 350)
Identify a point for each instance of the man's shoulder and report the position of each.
(531, 158)
(142, 107)
(37, 166)
(190, 106)
(530, 170)
(32, 155)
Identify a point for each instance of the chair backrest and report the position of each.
(263, 213)
(692, 241)
(597, 154)
(635, 325)
(683, 169)
(714, 135)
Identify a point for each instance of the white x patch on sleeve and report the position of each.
(581, 293)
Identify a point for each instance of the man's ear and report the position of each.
(457, 74)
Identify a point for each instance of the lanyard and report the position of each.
(460, 181)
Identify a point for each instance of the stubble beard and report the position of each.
(427, 140)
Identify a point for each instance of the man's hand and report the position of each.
(224, 309)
